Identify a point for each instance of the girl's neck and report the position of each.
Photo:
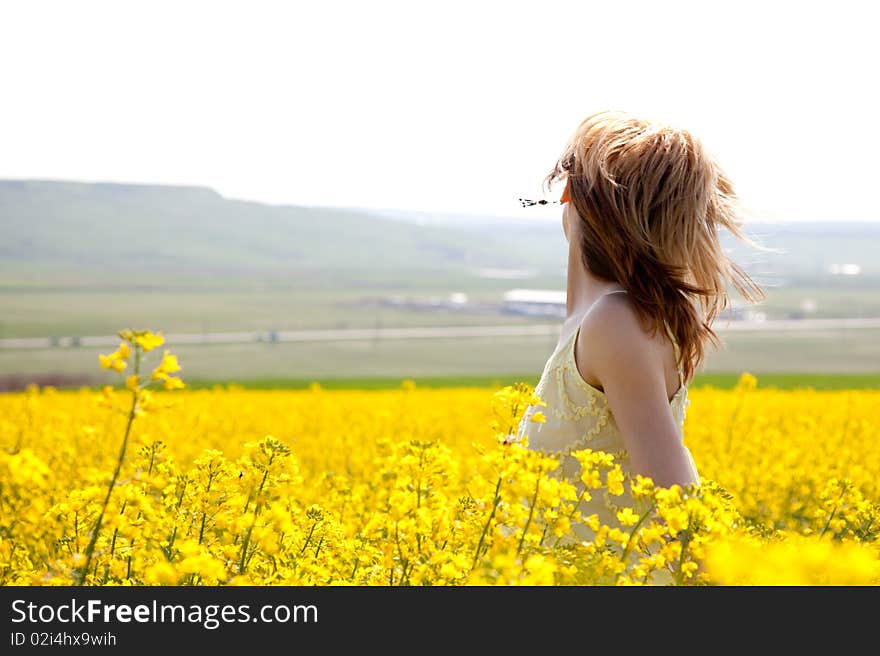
(582, 287)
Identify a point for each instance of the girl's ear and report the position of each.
(566, 197)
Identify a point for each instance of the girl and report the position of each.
(642, 206)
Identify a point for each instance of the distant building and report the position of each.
(739, 310)
(535, 302)
(455, 301)
(844, 269)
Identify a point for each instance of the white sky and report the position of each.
(445, 106)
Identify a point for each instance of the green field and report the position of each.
(826, 354)
(81, 305)
(722, 381)
(718, 380)
(229, 305)
(83, 308)
(77, 261)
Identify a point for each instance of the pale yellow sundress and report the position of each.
(577, 417)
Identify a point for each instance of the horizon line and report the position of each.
(370, 208)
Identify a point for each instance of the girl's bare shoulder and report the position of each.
(612, 337)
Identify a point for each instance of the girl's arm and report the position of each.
(614, 349)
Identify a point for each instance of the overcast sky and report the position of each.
(446, 106)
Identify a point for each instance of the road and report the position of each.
(438, 332)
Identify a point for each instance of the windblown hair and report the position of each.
(650, 201)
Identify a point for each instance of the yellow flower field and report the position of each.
(417, 487)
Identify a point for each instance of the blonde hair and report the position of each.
(650, 201)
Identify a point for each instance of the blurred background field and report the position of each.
(238, 282)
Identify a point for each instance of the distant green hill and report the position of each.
(56, 227)
(126, 227)
(810, 248)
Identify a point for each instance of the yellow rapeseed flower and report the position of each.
(123, 351)
(424, 487)
(148, 341)
(168, 365)
(614, 481)
(112, 362)
(627, 517)
(173, 383)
